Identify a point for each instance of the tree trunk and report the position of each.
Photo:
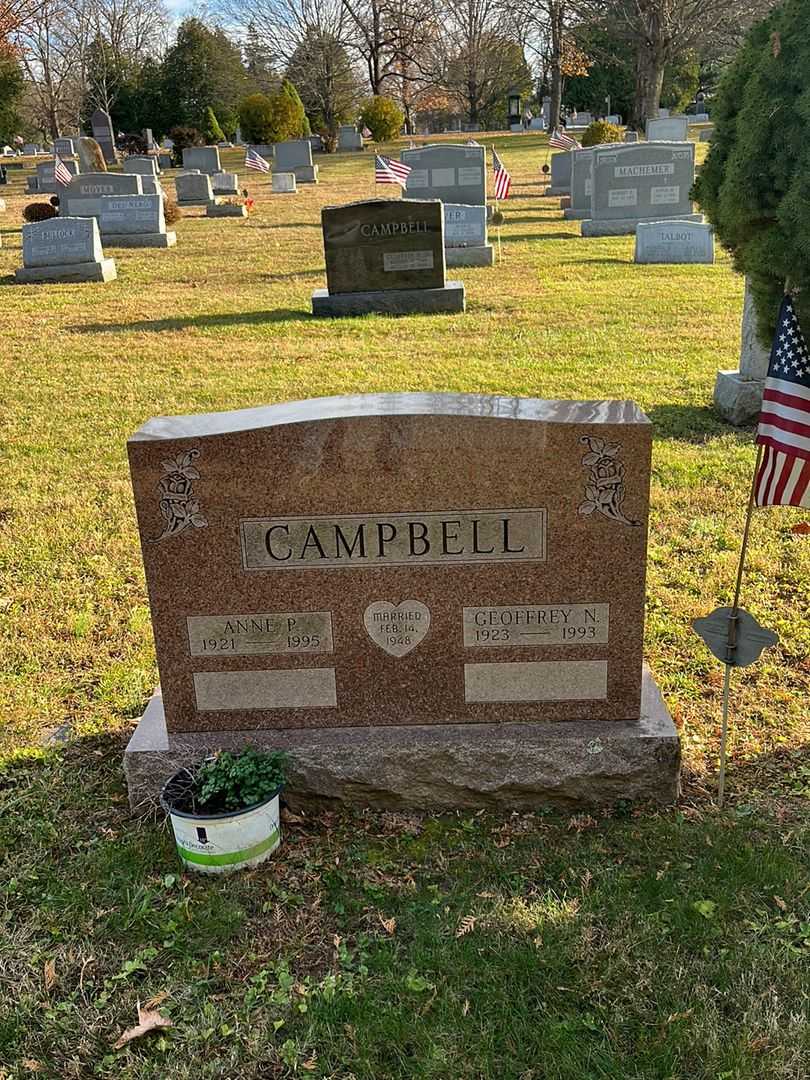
(650, 64)
(555, 106)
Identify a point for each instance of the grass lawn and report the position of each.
(637, 945)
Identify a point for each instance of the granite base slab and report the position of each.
(449, 300)
(442, 767)
(196, 202)
(737, 399)
(557, 191)
(305, 174)
(225, 210)
(70, 272)
(570, 213)
(627, 226)
(470, 256)
(140, 240)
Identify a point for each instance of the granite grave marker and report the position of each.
(452, 172)
(674, 242)
(135, 221)
(63, 249)
(465, 236)
(295, 156)
(101, 126)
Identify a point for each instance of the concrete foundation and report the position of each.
(470, 256)
(627, 226)
(140, 240)
(448, 766)
(70, 272)
(215, 209)
(449, 300)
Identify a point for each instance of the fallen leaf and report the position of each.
(802, 529)
(310, 1064)
(148, 1020)
(49, 973)
(776, 43)
(388, 925)
(780, 903)
(756, 1046)
(31, 1064)
(465, 1008)
(466, 925)
(290, 818)
(158, 999)
(581, 822)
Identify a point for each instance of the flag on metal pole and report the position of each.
(61, 173)
(254, 160)
(503, 181)
(560, 141)
(388, 171)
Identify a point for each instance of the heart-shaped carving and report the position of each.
(397, 628)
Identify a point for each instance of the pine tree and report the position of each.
(755, 184)
(288, 88)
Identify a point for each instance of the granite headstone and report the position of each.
(452, 172)
(63, 249)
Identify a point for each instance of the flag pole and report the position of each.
(733, 619)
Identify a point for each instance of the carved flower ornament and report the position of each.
(604, 487)
(177, 502)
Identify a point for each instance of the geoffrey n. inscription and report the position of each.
(525, 624)
(258, 635)
(416, 539)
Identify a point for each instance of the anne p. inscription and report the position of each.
(427, 539)
(258, 635)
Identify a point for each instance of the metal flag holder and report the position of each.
(733, 635)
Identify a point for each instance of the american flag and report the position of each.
(560, 141)
(784, 423)
(254, 160)
(61, 173)
(387, 171)
(503, 181)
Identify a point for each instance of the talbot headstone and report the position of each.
(371, 584)
(101, 126)
(63, 249)
(349, 138)
(204, 158)
(738, 394)
(135, 221)
(647, 182)
(385, 255)
(560, 174)
(82, 196)
(295, 156)
(668, 129)
(224, 183)
(465, 236)
(284, 183)
(452, 172)
(193, 189)
(580, 207)
(674, 242)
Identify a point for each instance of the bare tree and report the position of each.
(51, 44)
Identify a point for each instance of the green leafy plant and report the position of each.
(211, 130)
(232, 781)
(382, 117)
(600, 131)
(755, 183)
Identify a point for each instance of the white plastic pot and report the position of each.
(220, 843)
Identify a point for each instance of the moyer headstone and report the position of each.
(452, 172)
(82, 196)
(385, 255)
(63, 249)
(295, 156)
(560, 174)
(465, 236)
(204, 158)
(193, 189)
(668, 129)
(349, 138)
(284, 183)
(371, 584)
(580, 207)
(101, 126)
(738, 394)
(643, 182)
(135, 221)
(674, 242)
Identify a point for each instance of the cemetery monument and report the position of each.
(738, 394)
(295, 156)
(202, 158)
(674, 242)
(135, 221)
(63, 249)
(465, 236)
(101, 126)
(452, 172)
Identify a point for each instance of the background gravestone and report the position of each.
(101, 126)
(141, 165)
(643, 182)
(91, 158)
(465, 236)
(674, 242)
(370, 583)
(64, 147)
(295, 156)
(204, 158)
(63, 249)
(668, 129)
(135, 221)
(284, 183)
(560, 173)
(385, 255)
(581, 161)
(44, 183)
(452, 172)
(738, 394)
(193, 189)
(349, 138)
(82, 196)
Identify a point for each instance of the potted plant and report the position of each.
(225, 812)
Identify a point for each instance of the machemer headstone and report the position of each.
(387, 256)
(295, 156)
(63, 249)
(371, 584)
(135, 221)
(448, 171)
(465, 236)
(580, 207)
(101, 126)
(643, 182)
(674, 242)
